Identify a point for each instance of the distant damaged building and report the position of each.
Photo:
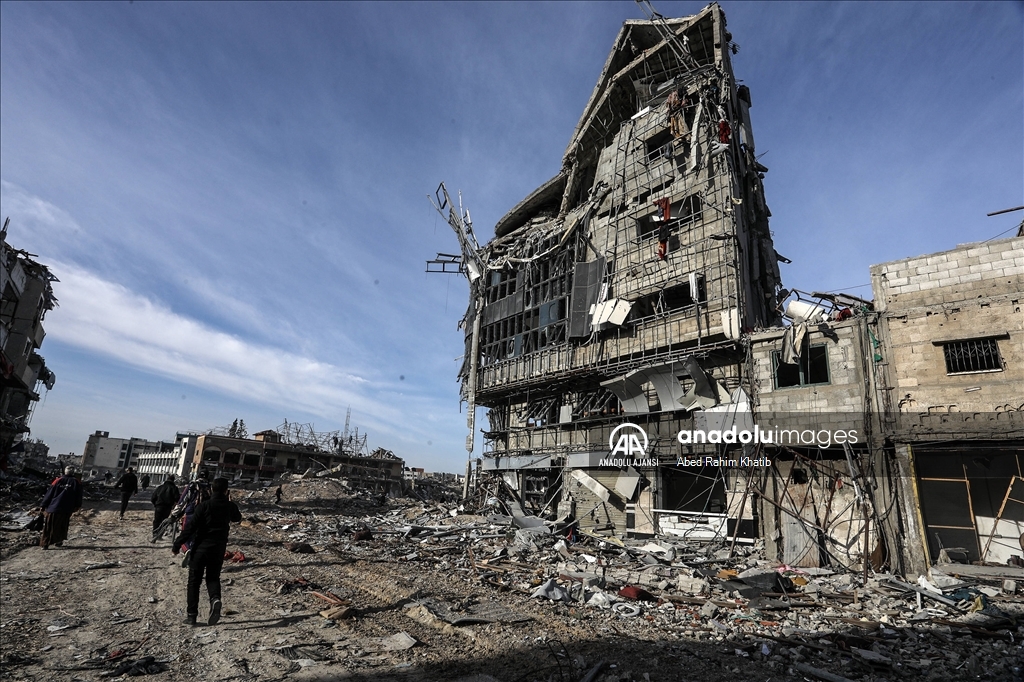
(295, 449)
(620, 289)
(27, 295)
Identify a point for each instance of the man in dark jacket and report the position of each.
(208, 531)
(129, 485)
(144, 481)
(62, 500)
(164, 498)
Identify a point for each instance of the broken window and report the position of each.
(9, 304)
(656, 145)
(669, 299)
(252, 460)
(502, 284)
(683, 212)
(542, 412)
(697, 490)
(811, 369)
(530, 313)
(974, 355)
(211, 455)
(232, 457)
(595, 404)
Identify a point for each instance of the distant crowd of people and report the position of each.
(202, 513)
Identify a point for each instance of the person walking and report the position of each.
(128, 485)
(63, 499)
(164, 498)
(195, 492)
(208, 532)
(144, 481)
(277, 495)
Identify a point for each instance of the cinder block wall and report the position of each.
(837, 404)
(968, 271)
(971, 292)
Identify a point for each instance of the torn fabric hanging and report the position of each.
(665, 204)
(793, 343)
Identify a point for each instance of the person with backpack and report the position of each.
(207, 531)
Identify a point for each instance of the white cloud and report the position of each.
(109, 319)
(45, 222)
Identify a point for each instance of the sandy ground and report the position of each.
(60, 620)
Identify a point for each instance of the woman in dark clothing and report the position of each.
(62, 500)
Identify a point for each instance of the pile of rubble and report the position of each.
(825, 624)
(531, 582)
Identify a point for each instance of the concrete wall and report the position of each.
(102, 452)
(971, 292)
(971, 270)
(840, 402)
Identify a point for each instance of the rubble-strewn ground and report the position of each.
(110, 597)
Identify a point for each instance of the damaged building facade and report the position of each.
(635, 298)
(27, 295)
(952, 331)
(620, 290)
(269, 454)
(103, 454)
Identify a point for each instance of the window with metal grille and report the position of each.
(975, 355)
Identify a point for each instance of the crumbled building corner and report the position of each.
(27, 291)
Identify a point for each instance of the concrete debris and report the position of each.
(397, 642)
(551, 590)
(476, 571)
(299, 547)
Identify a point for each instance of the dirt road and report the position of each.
(64, 618)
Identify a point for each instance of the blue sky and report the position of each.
(234, 196)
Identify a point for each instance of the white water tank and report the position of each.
(801, 311)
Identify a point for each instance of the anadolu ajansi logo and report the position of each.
(631, 443)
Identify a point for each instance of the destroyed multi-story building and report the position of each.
(636, 298)
(27, 294)
(103, 454)
(271, 453)
(642, 262)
